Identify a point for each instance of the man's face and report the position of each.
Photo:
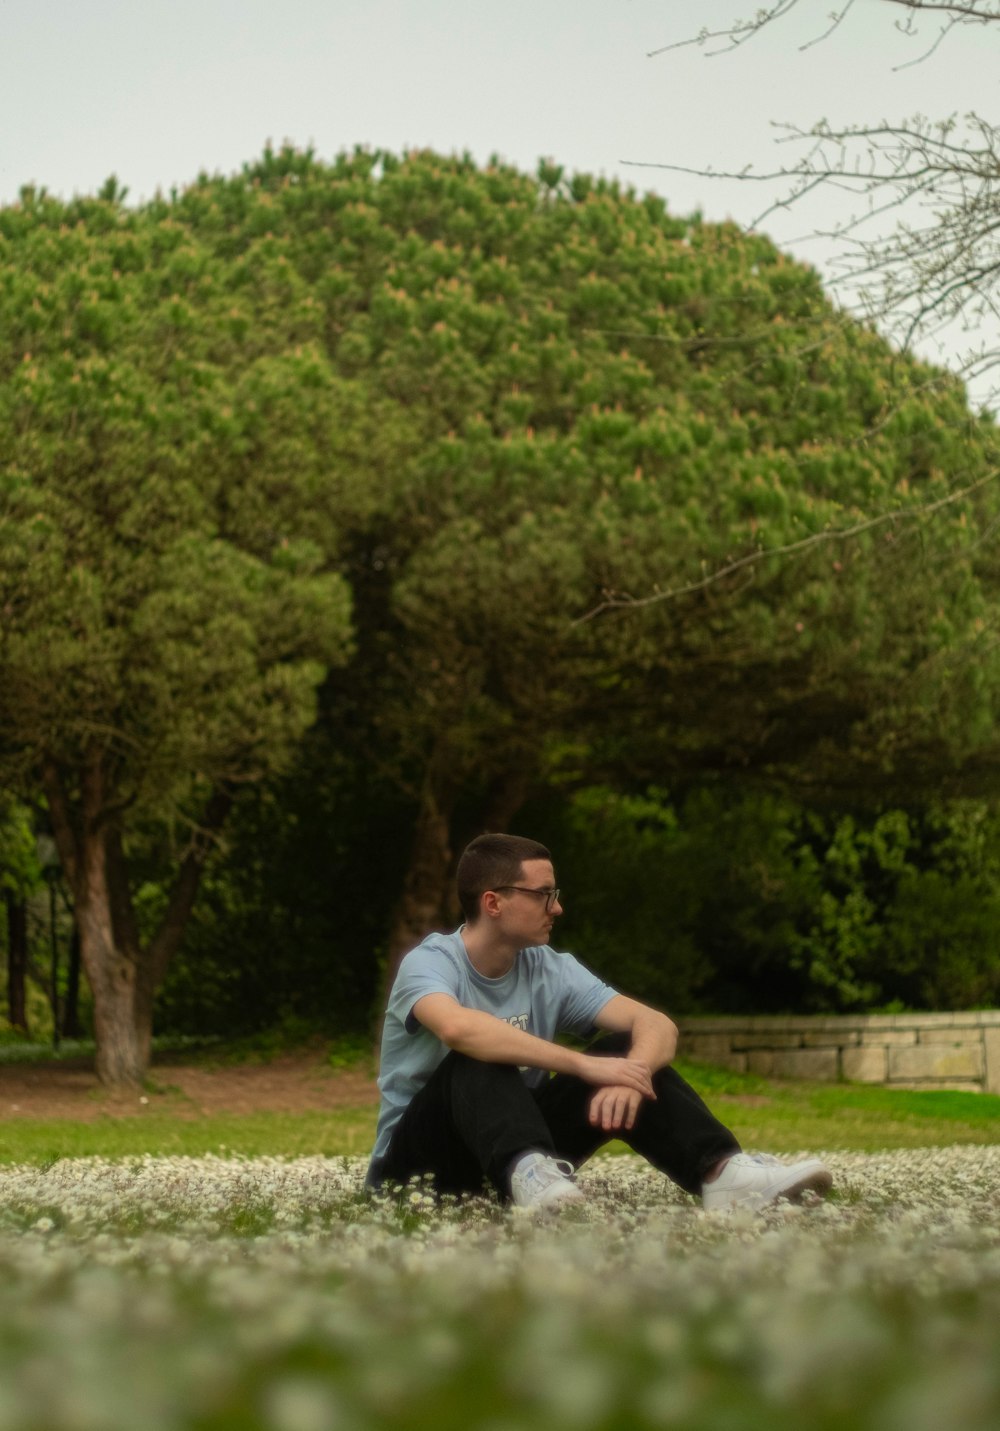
(524, 916)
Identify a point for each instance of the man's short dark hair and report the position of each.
(489, 862)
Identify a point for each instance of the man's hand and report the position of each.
(615, 1107)
(623, 1073)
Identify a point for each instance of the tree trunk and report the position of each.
(506, 796)
(111, 959)
(71, 1026)
(423, 904)
(17, 962)
(123, 1042)
(123, 975)
(429, 900)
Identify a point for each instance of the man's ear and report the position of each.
(490, 904)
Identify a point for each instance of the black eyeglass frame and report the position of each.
(551, 896)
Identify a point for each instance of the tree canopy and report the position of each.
(167, 614)
(588, 412)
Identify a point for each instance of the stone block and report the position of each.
(930, 1086)
(821, 1064)
(766, 1040)
(965, 1018)
(831, 1038)
(708, 1046)
(735, 1062)
(932, 1061)
(765, 1023)
(954, 1037)
(918, 1021)
(723, 1024)
(991, 1049)
(886, 1037)
(760, 1061)
(865, 1065)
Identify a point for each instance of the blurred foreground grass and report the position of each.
(270, 1295)
(764, 1114)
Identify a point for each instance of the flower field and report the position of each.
(218, 1294)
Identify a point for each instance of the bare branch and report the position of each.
(920, 59)
(790, 199)
(938, 268)
(836, 20)
(741, 31)
(936, 273)
(737, 33)
(973, 12)
(790, 549)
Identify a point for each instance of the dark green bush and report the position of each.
(724, 901)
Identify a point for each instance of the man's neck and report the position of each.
(488, 956)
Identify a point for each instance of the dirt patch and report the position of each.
(299, 1082)
(291, 1083)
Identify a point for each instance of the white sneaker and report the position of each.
(539, 1181)
(752, 1180)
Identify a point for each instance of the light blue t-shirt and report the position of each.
(545, 993)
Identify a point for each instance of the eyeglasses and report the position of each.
(551, 896)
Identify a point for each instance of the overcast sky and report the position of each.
(156, 90)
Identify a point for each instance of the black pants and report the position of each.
(471, 1119)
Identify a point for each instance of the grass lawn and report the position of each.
(764, 1114)
(253, 1135)
(787, 1116)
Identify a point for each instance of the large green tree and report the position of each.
(167, 424)
(639, 497)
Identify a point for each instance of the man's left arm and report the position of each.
(653, 1041)
(653, 1035)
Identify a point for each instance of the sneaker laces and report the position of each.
(552, 1170)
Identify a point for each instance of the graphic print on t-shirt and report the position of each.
(517, 1021)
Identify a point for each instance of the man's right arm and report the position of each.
(485, 1037)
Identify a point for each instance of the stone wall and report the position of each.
(959, 1051)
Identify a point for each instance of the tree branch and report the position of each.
(63, 830)
(634, 603)
(836, 19)
(921, 276)
(736, 34)
(123, 920)
(165, 942)
(972, 12)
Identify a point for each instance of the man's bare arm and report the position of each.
(654, 1036)
(485, 1037)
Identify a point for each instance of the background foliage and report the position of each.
(717, 901)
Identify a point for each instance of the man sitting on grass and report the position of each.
(469, 1043)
